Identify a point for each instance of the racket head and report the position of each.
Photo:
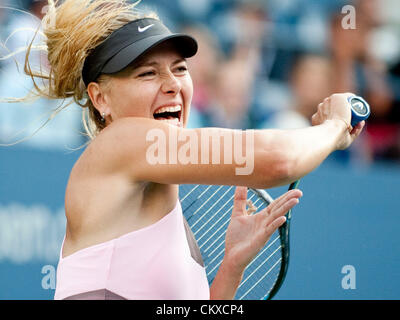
(207, 210)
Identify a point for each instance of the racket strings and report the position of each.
(215, 214)
(207, 210)
(262, 277)
(205, 202)
(221, 226)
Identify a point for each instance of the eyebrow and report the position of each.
(155, 63)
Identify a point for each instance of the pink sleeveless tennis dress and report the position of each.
(159, 262)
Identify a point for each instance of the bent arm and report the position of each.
(149, 150)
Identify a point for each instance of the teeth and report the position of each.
(174, 122)
(169, 109)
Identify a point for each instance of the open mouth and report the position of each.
(171, 115)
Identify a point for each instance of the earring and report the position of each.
(103, 117)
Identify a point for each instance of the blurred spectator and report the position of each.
(358, 70)
(231, 96)
(203, 67)
(235, 76)
(310, 82)
(260, 64)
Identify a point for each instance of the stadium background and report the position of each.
(261, 64)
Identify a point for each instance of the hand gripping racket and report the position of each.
(207, 210)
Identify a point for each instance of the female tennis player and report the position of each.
(126, 237)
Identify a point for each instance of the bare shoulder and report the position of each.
(97, 194)
(102, 162)
(102, 202)
(115, 147)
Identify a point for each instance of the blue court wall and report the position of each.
(347, 217)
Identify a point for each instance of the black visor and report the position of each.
(128, 43)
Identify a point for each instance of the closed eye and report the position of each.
(147, 74)
(181, 69)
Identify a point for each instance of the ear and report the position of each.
(99, 98)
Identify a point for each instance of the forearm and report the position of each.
(225, 283)
(303, 150)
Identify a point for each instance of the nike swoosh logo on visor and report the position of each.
(145, 28)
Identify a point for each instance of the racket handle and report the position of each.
(360, 109)
(294, 185)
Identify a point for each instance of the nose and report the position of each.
(171, 85)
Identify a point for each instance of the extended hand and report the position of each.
(336, 109)
(248, 233)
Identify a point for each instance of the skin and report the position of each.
(114, 190)
(162, 77)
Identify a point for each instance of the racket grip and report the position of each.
(360, 109)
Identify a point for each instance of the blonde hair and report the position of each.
(71, 30)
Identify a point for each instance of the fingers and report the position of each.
(295, 193)
(282, 210)
(274, 225)
(240, 201)
(315, 119)
(277, 217)
(327, 100)
(333, 107)
(357, 129)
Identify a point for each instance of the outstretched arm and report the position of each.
(143, 149)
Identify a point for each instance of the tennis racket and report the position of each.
(207, 210)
